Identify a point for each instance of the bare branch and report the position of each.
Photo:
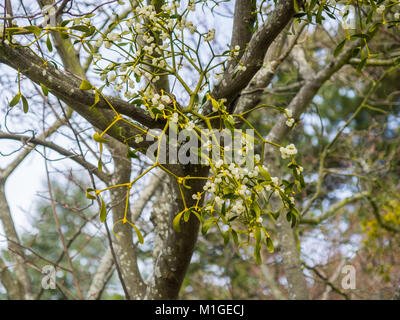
(32, 142)
(66, 87)
(21, 274)
(243, 23)
(328, 282)
(254, 54)
(334, 209)
(101, 276)
(14, 290)
(251, 95)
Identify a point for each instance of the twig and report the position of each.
(327, 282)
(53, 207)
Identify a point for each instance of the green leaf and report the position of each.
(45, 90)
(137, 102)
(374, 26)
(257, 236)
(138, 233)
(293, 221)
(235, 237)
(270, 245)
(276, 214)
(197, 215)
(206, 225)
(257, 254)
(81, 28)
(96, 99)
(64, 23)
(186, 215)
(233, 218)
(215, 104)
(85, 85)
(100, 164)
(300, 14)
(296, 213)
(264, 173)
(223, 209)
(176, 222)
(25, 105)
(339, 48)
(90, 31)
(132, 154)
(312, 4)
(296, 6)
(361, 65)
(103, 210)
(89, 195)
(229, 125)
(359, 35)
(15, 100)
(225, 235)
(256, 208)
(34, 29)
(319, 17)
(48, 44)
(228, 191)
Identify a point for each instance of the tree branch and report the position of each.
(21, 274)
(335, 208)
(254, 54)
(125, 249)
(101, 276)
(250, 97)
(243, 23)
(32, 142)
(66, 87)
(328, 282)
(173, 250)
(14, 291)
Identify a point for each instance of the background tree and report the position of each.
(293, 71)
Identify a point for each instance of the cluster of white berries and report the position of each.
(138, 139)
(290, 120)
(380, 9)
(224, 180)
(147, 11)
(234, 53)
(238, 206)
(288, 151)
(159, 101)
(241, 67)
(190, 126)
(174, 118)
(144, 26)
(236, 188)
(184, 23)
(210, 35)
(299, 170)
(138, 26)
